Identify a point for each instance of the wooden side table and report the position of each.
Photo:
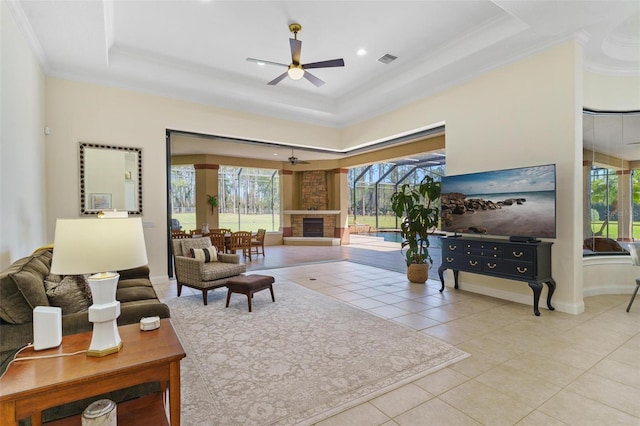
(31, 386)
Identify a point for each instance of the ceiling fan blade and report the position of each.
(278, 79)
(296, 47)
(312, 78)
(262, 61)
(325, 64)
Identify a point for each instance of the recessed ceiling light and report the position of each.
(260, 63)
(361, 52)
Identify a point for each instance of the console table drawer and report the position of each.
(514, 269)
(518, 253)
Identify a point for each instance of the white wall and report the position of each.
(22, 149)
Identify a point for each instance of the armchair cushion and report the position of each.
(206, 255)
(193, 243)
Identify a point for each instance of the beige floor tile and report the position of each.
(347, 296)
(489, 345)
(574, 409)
(439, 314)
(474, 365)
(400, 400)
(552, 371)
(435, 412)
(415, 321)
(627, 356)
(441, 381)
(538, 418)
(363, 414)
(614, 394)
(388, 311)
(389, 298)
(617, 371)
(450, 334)
(519, 385)
(366, 303)
(486, 404)
(331, 291)
(369, 292)
(412, 306)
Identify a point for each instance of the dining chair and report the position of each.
(257, 242)
(196, 231)
(218, 240)
(635, 259)
(240, 240)
(179, 235)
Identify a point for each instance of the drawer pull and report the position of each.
(452, 247)
(492, 265)
(519, 254)
(450, 259)
(521, 270)
(473, 262)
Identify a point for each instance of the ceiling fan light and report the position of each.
(295, 73)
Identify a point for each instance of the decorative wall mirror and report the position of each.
(110, 178)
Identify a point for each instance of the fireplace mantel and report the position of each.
(311, 211)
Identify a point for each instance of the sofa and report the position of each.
(203, 274)
(26, 284)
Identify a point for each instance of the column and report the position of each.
(340, 200)
(206, 184)
(586, 199)
(625, 220)
(286, 201)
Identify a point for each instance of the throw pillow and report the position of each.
(71, 293)
(205, 255)
(194, 243)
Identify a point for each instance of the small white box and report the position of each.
(47, 327)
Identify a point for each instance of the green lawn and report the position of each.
(249, 222)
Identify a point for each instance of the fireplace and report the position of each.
(312, 227)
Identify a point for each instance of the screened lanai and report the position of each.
(371, 187)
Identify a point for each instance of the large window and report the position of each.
(248, 198)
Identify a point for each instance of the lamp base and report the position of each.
(103, 314)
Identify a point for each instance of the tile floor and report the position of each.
(556, 369)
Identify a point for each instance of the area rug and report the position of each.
(296, 361)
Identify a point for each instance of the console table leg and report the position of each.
(537, 290)
(441, 270)
(551, 284)
(455, 278)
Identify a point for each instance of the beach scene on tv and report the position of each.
(513, 202)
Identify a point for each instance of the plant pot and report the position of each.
(418, 273)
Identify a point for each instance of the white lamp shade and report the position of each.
(88, 246)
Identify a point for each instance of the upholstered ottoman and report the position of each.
(249, 284)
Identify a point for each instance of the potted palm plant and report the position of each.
(415, 205)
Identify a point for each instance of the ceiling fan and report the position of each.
(294, 160)
(296, 70)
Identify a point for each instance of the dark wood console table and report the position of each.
(520, 261)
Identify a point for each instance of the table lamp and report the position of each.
(100, 246)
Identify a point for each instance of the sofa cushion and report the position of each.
(194, 243)
(206, 255)
(22, 287)
(129, 294)
(71, 293)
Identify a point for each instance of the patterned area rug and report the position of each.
(296, 361)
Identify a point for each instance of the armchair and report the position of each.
(199, 275)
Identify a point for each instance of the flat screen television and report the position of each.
(519, 203)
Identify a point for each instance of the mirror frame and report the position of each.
(84, 208)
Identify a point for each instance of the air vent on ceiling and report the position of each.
(387, 59)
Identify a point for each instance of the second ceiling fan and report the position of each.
(296, 70)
